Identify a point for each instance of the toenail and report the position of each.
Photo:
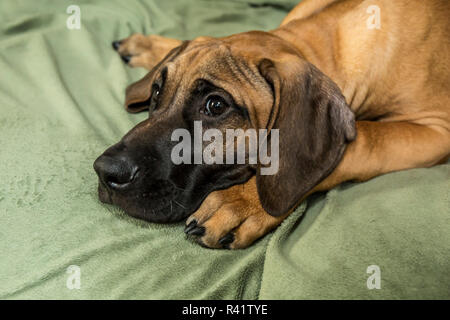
(116, 45)
(126, 59)
(197, 231)
(226, 240)
(190, 226)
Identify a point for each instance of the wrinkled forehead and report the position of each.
(222, 65)
(220, 60)
(214, 61)
(228, 65)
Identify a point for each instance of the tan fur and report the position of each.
(395, 79)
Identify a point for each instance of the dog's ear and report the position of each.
(314, 124)
(138, 94)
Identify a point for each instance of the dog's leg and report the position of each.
(234, 217)
(383, 147)
(231, 218)
(144, 51)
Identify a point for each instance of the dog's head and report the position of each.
(252, 80)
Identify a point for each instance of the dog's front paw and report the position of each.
(232, 218)
(144, 51)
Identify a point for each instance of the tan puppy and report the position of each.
(394, 75)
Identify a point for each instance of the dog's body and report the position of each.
(394, 77)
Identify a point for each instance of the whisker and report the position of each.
(179, 188)
(179, 204)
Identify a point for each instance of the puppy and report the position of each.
(355, 89)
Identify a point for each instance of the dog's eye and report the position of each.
(215, 106)
(156, 90)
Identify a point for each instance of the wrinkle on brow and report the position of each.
(247, 72)
(174, 84)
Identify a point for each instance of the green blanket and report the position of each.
(61, 96)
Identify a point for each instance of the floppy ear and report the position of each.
(137, 96)
(314, 123)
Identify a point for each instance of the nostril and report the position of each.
(120, 179)
(113, 180)
(115, 173)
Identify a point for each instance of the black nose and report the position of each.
(115, 173)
